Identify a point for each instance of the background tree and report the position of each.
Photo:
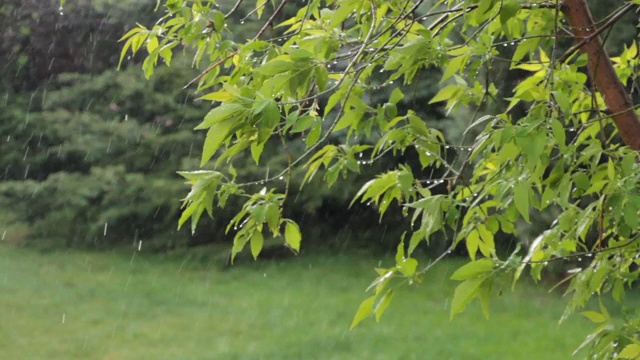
(563, 140)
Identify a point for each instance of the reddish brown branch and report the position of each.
(601, 72)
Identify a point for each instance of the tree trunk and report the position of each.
(601, 72)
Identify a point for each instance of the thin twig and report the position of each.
(260, 33)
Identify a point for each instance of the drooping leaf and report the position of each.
(364, 311)
(292, 235)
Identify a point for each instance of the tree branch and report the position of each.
(601, 71)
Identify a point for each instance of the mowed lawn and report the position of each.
(78, 305)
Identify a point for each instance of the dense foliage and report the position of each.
(89, 154)
(550, 132)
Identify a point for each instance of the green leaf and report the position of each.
(256, 151)
(446, 93)
(509, 10)
(521, 199)
(464, 293)
(595, 317)
(273, 217)
(473, 269)
(630, 214)
(292, 235)
(314, 134)
(303, 123)
(219, 114)
(631, 351)
(484, 294)
(275, 67)
(408, 266)
(558, 132)
(396, 96)
(256, 243)
(260, 5)
(364, 311)
(218, 96)
(473, 242)
(216, 135)
(383, 304)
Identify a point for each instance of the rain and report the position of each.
(92, 156)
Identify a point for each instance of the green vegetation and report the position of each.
(548, 158)
(81, 305)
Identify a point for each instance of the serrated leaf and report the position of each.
(292, 235)
(364, 310)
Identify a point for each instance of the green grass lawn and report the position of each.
(75, 305)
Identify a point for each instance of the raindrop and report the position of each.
(140, 245)
(281, 178)
(8, 138)
(104, 233)
(109, 146)
(64, 316)
(505, 44)
(381, 70)
(391, 82)
(26, 171)
(242, 22)
(579, 259)
(3, 235)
